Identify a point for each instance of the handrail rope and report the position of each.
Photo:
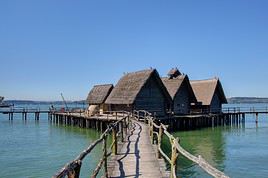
(198, 160)
(78, 160)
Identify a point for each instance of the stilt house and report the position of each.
(209, 94)
(180, 90)
(142, 90)
(97, 96)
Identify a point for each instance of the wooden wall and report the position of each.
(181, 102)
(216, 103)
(152, 99)
(121, 107)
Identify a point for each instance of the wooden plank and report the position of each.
(136, 158)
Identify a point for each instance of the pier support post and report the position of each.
(257, 115)
(114, 150)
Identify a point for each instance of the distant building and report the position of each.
(180, 90)
(1, 99)
(209, 94)
(142, 90)
(97, 96)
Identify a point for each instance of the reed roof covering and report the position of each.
(99, 94)
(129, 86)
(173, 86)
(204, 90)
(174, 72)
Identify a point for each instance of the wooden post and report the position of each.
(160, 134)
(257, 115)
(149, 125)
(122, 131)
(76, 171)
(152, 132)
(174, 156)
(105, 156)
(114, 150)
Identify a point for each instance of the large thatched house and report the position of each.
(180, 90)
(142, 90)
(97, 96)
(209, 94)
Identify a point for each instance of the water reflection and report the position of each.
(231, 149)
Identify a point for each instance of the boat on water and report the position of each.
(3, 104)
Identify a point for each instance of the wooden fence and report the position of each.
(156, 133)
(72, 169)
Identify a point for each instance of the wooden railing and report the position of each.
(156, 133)
(231, 110)
(72, 169)
(263, 109)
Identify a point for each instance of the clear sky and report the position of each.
(53, 46)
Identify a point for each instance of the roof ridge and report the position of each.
(102, 85)
(206, 80)
(140, 71)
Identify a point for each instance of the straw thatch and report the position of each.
(174, 85)
(204, 90)
(174, 72)
(99, 93)
(129, 86)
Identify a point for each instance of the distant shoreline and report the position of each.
(232, 100)
(246, 100)
(42, 102)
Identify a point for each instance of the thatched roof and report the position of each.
(99, 93)
(173, 86)
(1, 98)
(129, 86)
(205, 89)
(174, 72)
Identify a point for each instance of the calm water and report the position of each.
(237, 151)
(39, 149)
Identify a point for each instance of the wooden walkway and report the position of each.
(137, 157)
(135, 150)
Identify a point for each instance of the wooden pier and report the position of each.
(24, 112)
(227, 116)
(137, 157)
(135, 150)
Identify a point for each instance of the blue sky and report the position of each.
(53, 46)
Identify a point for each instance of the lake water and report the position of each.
(39, 149)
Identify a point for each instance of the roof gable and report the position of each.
(175, 84)
(174, 72)
(99, 93)
(128, 87)
(204, 90)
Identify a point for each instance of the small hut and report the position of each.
(142, 90)
(209, 94)
(97, 96)
(180, 90)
